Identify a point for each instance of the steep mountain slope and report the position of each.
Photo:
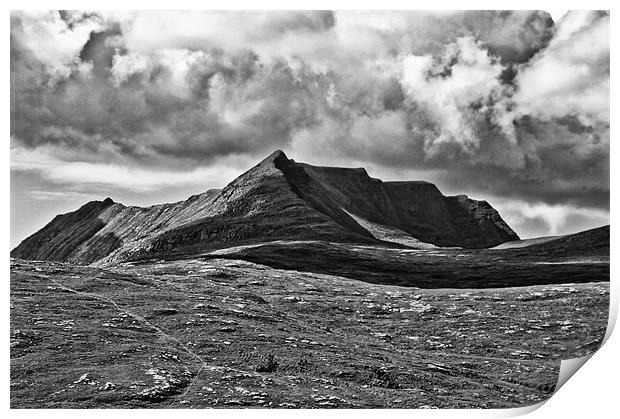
(64, 234)
(259, 205)
(278, 199)
(417, 208)
(100, 227)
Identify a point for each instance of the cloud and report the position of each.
(529, 218)
(84, 175)
(456, 92)
(571, 76)
(45, 195)
(233, 31)
(50, 39)
(167, 106)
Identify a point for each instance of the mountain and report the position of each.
(278, 199)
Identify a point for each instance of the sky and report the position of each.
(152, 107)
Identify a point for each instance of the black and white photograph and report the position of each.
(306, 209)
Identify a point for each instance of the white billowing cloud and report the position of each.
(261, 31)
(124, 66)
(572, 22)
(51, 40)
(322, 39)
(448, 98)
(571, 76)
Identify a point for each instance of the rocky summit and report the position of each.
(278, 199)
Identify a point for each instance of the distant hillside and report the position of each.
(525, 242)
(581, 257)
(278, 199)
(592, 243)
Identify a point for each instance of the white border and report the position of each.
(591, 393)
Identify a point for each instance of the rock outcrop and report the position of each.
(278, 199)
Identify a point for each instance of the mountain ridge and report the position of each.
(277, 199)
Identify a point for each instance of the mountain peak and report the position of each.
(275, 156)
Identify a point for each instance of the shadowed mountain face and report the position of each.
(417, 208)
(278, 199)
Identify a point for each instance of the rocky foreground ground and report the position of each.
(229, 333)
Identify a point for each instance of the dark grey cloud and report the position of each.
(100, 50)
(299, 22)
(147, 118)
(514, 36)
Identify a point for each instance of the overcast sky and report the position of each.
(145, 107)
